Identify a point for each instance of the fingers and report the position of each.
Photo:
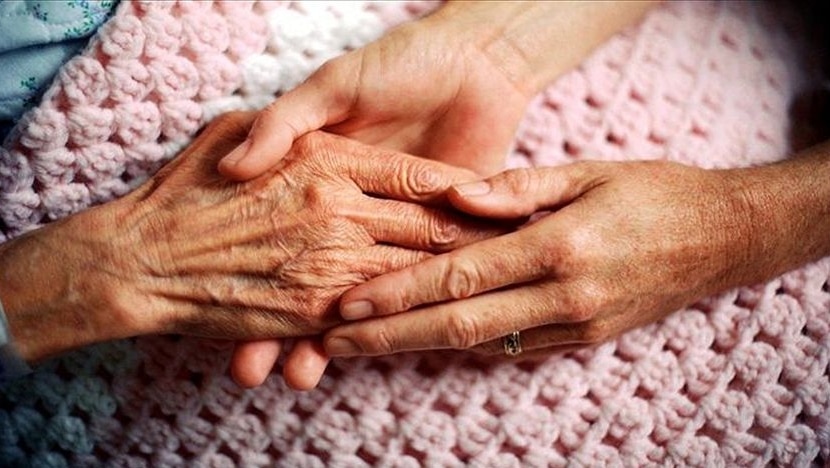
(305, 364)
(373, 261)
(462, 324)
(252, 361)
(402, 177)
(490, 264)
(522, 192)
(317, 102)
(420, 227)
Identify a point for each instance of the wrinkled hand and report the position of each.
(625, 244)
(284, 245)
(190, 252)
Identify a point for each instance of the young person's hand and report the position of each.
(451, 87)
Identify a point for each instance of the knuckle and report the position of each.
(383, 342)
(319, 201)
(421, 180)
(572, 250)
(462, 331)
(583, 306)
(319, 310)
(403, 298)
(332, 68)
(462, 279)
(327, 69)
(578, 312)
(443, 233)
(270, 111)
(519, 181)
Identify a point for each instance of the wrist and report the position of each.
(53, 292)
(486, 26)
(535, 42)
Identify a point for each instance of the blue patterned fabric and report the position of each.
(36, 38)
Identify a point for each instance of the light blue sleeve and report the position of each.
(36, 38)
(11, 364)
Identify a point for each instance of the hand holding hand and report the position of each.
(450, 87)
(189, 252)
(625, 244)
(426, 88)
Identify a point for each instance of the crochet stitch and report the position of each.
(740, 379)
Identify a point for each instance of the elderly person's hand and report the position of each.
(192, 253)
(625, 244)
(451, 87)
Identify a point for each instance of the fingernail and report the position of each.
(356, 310)
(238, 154)
(473, 189)
(341, 347)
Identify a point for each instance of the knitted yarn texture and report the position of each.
(740, 379)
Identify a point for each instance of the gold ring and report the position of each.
(512, 344)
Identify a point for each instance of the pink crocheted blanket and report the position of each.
(740, 379)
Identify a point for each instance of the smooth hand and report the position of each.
(190, 252)
(624, 245)
(426, 88)
(450, 87)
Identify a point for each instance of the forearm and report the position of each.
(53, 297)
(788, 208)
(535, 42)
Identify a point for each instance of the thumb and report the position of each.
(522, 192)
(312, 105)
